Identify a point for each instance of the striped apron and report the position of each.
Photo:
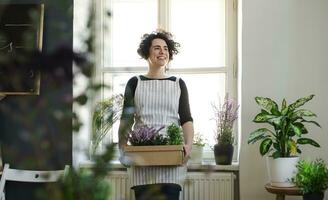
(157, 104)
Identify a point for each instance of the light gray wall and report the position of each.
(284, 54)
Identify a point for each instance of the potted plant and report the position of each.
(281, 143)
(197, 149)
(312, 178)
(150, 148)
(225, 117)
(105, 114)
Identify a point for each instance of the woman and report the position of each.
(157, 100)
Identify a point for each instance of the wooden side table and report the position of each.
(281, 192)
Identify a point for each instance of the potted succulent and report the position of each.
(225, 117)
(197, 149)
(149, 148)
(105, 114)
(281, 143)
(312, 178)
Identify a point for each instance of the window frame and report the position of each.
(231, 68)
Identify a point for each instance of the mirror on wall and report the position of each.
(20, 39)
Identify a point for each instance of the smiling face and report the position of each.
(158, 53)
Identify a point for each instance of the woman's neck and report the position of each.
(156, 73)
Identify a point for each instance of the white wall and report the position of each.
(284, 54)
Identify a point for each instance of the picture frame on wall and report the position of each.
(21, 34)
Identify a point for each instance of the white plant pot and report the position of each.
(196, 155)
(281, 170)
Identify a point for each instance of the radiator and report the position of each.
(208, 186)
(198, 186)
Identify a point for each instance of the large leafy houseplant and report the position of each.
(288, 125)
(312, 176)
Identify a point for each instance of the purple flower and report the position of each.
(143, 135)
(225, 117)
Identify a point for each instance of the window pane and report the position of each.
(199, 27)
(130, 20)
(204, 91)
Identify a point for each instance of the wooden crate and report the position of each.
(159, 155)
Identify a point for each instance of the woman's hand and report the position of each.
(187, 150)
(123, 159)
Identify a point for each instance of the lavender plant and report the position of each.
(144, 135)
(225, 117)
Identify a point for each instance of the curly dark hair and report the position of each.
(147, 39)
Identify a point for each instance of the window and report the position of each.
(206, 30)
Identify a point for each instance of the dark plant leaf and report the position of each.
(283, 104)
(297, 130)
(276, 154)
(300, 125)
(258, 135)
(284, 111)
(313, 122)
(275, 111)
(307, 141)
(264, 112)
(81, 99)
(276, 146)
(277, 121)
(265, 146)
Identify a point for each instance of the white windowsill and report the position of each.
(208, 163)
(205, 166)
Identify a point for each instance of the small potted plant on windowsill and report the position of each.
(196, 155)
(105, 114)
(281, 143)
(312, 179)
(150, 148)
(225, 117)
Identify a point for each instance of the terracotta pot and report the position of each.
(223, 154)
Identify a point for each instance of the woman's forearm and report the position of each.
(188, 132)
(122, 133)
(188, 135)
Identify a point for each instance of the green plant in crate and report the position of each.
(288, 124)
(174, 133)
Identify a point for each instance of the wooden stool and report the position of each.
(282, 191)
